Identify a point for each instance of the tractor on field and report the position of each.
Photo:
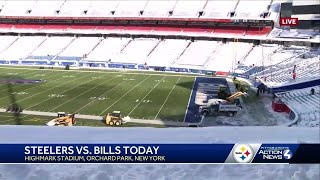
(115, 119)
(63, 119)
(229, 106)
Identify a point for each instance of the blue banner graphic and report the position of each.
(159, 153)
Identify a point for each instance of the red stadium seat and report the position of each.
(139, 28)
(27, 26)
(256, 31)
(6, 26)
(167, 29)
(197, 30)
(81, 27)
(57, 27)
(110, 28)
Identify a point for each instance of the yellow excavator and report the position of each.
(63, 119)
(234, 96)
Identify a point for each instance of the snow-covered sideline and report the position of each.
(244, 134)
(256, 134)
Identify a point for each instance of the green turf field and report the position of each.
(138, 95)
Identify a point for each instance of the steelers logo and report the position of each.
(243, 153)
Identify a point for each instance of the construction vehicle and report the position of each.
(228, 107)
(116, 119)
(63, 119)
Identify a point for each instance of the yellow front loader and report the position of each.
(114, 118)
(63, 120)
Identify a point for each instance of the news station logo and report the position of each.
(275, 153)
(243, 153)
(289, 22)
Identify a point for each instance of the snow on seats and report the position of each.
(188, 8)
(108, 49)
(50, 48)
(156, 8)
(167, 51)
(219, 9)
(21, 48)
(247, 8)
(197, 54)
(17, 8)
(46, 8)
(305, 104)
(78, 49)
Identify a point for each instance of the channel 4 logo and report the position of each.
(274, 153)
(287, 154)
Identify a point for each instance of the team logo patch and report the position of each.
(243, 153)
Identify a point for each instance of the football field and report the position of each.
(138, 95)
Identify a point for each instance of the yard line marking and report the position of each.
(40, 84)
(50, 88)
(103, 82)
(185, 115)
(124, 95)
(167, 98)
(103, 94)
(146, 95)
(62, 92)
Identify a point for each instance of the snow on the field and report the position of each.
(31, 134)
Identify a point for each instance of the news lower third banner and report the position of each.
(159, 153)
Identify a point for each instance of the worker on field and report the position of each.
(312, 91)
(294, 72)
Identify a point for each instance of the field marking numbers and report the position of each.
(68, 76)
(56, 95)
(167, 98)
(129, 79)
(99, 98)
(124, 95)
(20, 93)
(144, 101)
(102, 95)
(63, 91)
(160, 80)
(36, 86)
(83, 93)
(146, 95)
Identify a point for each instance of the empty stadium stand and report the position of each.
(144, 8)
(304, 104)
(280, 73)
(171, 34)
